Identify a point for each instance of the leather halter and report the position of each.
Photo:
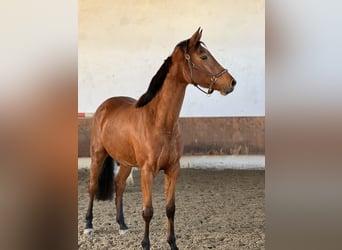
(213, 78)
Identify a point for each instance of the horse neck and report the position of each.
(168, 102)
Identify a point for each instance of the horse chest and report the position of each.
(167, 152)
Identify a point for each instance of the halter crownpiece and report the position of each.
(213, 78)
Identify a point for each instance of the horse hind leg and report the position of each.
(98, 163)
(120, 184)
(130, 179)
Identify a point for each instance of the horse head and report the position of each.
(201, 68)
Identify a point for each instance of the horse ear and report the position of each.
(195, 38)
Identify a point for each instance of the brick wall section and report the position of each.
(84, 125)
(223, 135)
(205, 135)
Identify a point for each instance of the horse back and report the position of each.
(111, 107)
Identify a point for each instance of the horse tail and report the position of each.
(105, 188)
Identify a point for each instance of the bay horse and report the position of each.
(145, 133)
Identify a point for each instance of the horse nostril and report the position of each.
(233, 82)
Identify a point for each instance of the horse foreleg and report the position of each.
(170, 185)
(146, 186)
(120, 184)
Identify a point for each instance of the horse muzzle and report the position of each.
(225, 90)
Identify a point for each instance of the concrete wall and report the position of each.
(123, 43)
(205, 136)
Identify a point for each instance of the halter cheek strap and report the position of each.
(213, 78)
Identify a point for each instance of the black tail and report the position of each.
(105, 186)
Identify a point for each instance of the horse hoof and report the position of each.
(123, 231)
(88, 231)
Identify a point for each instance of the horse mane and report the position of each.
(156, 83)
(158, 79)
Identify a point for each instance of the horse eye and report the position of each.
(204, 57)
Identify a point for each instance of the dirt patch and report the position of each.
(216, 209)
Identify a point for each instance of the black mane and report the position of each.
(156, 83)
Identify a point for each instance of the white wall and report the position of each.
(123, 43)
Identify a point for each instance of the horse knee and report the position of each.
(170, 210)
(147, 214)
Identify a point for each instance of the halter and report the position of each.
(213, 78)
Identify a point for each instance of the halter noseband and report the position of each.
(213, 78)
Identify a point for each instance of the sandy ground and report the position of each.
(216, 209)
